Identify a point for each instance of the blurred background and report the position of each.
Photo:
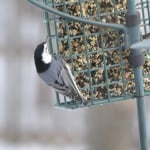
(28, 119)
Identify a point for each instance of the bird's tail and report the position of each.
(76, 96)
(84, 101)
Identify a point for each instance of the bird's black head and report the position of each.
(42, 58)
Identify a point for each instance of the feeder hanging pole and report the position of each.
(136, 60)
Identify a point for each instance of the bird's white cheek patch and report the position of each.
(46, 58)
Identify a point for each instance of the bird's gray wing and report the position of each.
(53, 77)
(77, 94)
(68, 74)
(61, 78)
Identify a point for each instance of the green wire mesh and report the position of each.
(144, 8)
(97, 55)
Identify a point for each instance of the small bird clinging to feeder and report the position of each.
(55, 72)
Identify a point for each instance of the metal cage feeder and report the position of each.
(102, 41)
(95, 37)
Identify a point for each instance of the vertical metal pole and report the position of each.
(134, 36)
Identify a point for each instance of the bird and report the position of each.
(55, 72)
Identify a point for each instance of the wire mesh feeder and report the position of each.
(100, 40)
(97, 55)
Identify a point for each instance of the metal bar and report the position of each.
(78, 19)
(148, 10)
(134, 34)
(143, 16)
(87, 56)
(142, 122)
(48, 30)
